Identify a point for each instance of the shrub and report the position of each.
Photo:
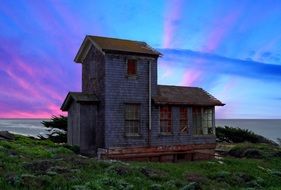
(237, 135)
(57, 128)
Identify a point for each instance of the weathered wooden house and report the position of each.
(122, 113)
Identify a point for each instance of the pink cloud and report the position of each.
(217, 34)
(173, 14)
(190, 76)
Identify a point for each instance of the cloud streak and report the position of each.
(222, 65)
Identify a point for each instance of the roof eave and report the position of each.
(85, 48)
(66, 102)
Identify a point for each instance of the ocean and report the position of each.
(269, 128)
(27, 127)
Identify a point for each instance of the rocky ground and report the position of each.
(27, 163)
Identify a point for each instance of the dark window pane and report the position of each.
(165, 119)
(132, 67)
(183, 120)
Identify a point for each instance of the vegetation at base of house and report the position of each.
(57, 128)
(27, 163)
(237, 135)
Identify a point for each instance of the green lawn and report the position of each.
(40, 164)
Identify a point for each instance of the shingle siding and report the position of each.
(93, 81)
(73, 124)
(121, 89)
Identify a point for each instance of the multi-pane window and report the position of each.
(202, 119)
(132, 119)
(183, 120)
(131, 67)
(165, 119)
(208, 121)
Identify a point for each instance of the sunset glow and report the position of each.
(232, 49)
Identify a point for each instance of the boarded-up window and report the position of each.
(132, 119)
(183, 120)
(202, 119)
(131, 67)
(165, 119)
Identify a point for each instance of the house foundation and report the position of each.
(175, 153)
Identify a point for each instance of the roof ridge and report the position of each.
(106, 37)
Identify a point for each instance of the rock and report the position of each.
(238, 153)
(152, 173)
(59, 169)
(191, 186)
(51, 173)
(5, 135)
(276, 173)
(110, 183)
(80, 187)
(120, 170)
(253, 184)
(12, 179)
(252, 153)
(220, 162)
(277, 154)
(77, 161)
(156, 186)
(222, 174)
(248, 153)
(194, 177)
(33, 182)
(260, 181)
(12, 153)
(39, 167)
(170, 185)
(243, 177)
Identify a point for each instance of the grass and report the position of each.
(41, 164)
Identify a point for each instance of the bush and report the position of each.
(237, 135)
(57, 128)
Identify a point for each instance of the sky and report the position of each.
(230, 48)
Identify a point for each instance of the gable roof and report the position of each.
(115, 45)
(77, 97)
(179, 95)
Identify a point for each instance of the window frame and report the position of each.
(168, 119)
(128, 131)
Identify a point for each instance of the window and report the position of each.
(132, 119)
(183, 120)
(202, 119)
(165, 119)
(131, 67)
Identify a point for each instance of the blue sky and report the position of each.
(230, 48)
